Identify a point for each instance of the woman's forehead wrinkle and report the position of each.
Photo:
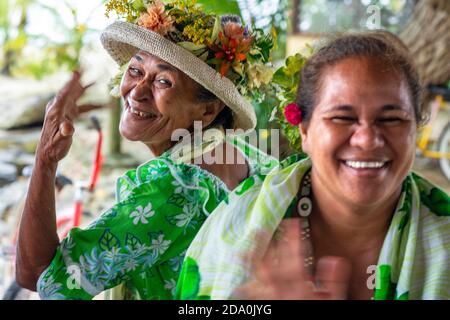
(165, 67)
(342, 107)
(348, 82)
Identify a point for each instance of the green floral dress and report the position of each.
(141, 241)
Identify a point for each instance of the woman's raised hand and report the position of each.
(281, 273)
(57, 131)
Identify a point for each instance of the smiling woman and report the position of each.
(159, 99)
(166, 85)
(361, 135)
(314, 228)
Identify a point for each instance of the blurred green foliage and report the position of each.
(287, 79)
(47, 55)
(221, 6)
(324, 16)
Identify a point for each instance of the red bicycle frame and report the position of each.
(75, 219)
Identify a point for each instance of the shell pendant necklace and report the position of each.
(304, 209)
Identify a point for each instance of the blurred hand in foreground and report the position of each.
(281, 274)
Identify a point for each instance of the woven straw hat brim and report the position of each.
(123, 39)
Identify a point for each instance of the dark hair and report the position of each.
(225, 116)
(380, 44)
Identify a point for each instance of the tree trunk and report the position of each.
(10, 55)
(114, 138)
(428, 37)
(296, 10)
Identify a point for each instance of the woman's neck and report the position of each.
(347, 227)
(233, 173)
(158, 149)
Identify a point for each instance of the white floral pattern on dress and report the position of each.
(160, 245)
(141, 214)
(170, 285)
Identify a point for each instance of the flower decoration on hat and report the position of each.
(233, 45)
(156, 19)
(223, 42)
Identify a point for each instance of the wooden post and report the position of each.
(296, 10)
(114, 137)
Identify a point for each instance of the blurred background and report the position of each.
(41, 41)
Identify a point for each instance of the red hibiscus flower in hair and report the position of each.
(293, 114)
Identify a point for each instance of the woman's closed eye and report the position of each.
(390, 120)
(344, 119)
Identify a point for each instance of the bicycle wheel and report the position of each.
(444, 147)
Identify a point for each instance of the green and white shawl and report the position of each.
(414, 262)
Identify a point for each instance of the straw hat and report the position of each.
(123, 40)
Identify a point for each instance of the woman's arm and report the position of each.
(38, 238)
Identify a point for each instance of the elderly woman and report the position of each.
(167, 85)
(353, 221)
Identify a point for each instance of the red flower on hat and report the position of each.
(232, 48)
(293, 114)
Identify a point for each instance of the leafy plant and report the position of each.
(286, 80)
(49, 56)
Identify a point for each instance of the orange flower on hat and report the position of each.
(155, 19)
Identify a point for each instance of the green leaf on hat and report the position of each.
(238, 69)
(221, 7)
(192, 47)
(216, 29)
(138, 5)
(204, 56)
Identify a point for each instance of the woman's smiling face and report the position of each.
(158, 99)
(361, 136)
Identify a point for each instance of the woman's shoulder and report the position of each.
(259, 160)
(164, 170)
(432, 196)
(280, 170)
(296, 159)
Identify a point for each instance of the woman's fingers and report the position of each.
(62, 140)
(65, 102)
(66, 129)
(286, 252)
(57, 131)
(72, 110)
(254, 290)
(70, 89)
(281, 274)
(256, 255)
(333, 277)
(292, 250)
(88, 107)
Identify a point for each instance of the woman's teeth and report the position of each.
(140, 113)
(365, 164)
